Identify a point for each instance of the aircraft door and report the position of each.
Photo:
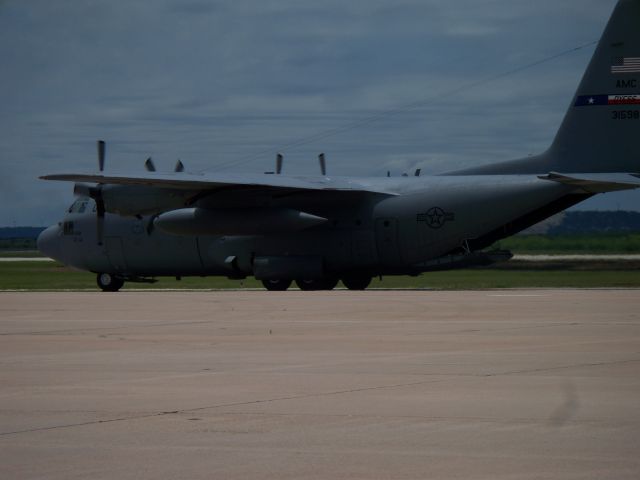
(387, 241)
(115, 253)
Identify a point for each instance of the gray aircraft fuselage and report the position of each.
(428, 217)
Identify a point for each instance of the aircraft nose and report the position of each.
(48, 241)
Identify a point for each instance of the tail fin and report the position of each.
(601, 130)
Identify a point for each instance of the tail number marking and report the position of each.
(625, 115)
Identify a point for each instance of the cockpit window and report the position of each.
(79, 206)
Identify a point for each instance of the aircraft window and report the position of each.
(78, 206)
(67, 228)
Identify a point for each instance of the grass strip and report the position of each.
(51, 276)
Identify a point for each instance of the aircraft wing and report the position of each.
(217, 181)
(596, 182)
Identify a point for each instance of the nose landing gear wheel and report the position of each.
(109, 283)
(278, 285)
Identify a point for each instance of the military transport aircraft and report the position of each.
(319, 230)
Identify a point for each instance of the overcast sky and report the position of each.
(225, 85)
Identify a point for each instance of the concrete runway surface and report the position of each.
(362, 385)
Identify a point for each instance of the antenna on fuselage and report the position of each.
(279, 160)
(149, 165)
(179, 167)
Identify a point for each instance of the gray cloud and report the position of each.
(195, 8)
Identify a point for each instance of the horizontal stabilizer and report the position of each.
(596, 182)
(474, 259)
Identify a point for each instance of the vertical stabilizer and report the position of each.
(601, 129)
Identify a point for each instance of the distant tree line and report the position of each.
(587, 222)
(20, 232)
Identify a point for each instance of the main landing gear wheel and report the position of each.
(317, 284)
(278, 285)
(356, 282)
(109, 283)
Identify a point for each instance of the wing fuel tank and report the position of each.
(253, 221)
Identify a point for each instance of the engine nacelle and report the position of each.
(245, 221)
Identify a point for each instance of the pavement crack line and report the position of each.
(295, 397)
(97, 329)
(562, 367)
(223, 405)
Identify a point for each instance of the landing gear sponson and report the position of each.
(111, 283)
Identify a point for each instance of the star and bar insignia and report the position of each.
(435, 217)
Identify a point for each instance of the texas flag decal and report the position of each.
(589, 100)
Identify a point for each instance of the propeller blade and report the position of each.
(279, 159)
(179, 166)
(101, 149)
(97, 196)
(100, 229)
(323, 165)
(149, 165)
(150, 225)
